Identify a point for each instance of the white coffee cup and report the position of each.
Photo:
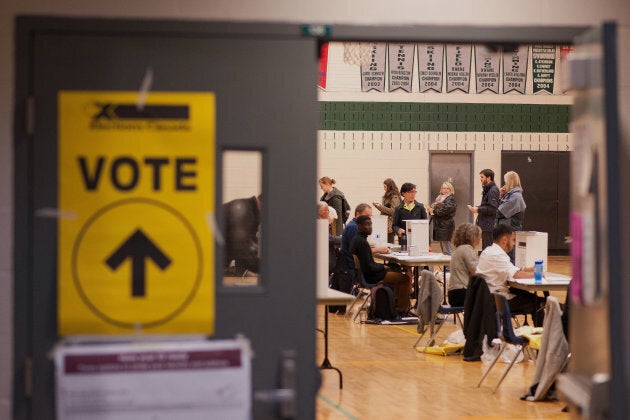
(414, 251)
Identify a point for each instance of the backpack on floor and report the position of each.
(382, 303)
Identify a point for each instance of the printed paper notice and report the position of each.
(169, 380)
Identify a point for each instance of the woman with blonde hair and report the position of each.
(442, 213)
(334, 198)
(466, 238)
(511, 210)
(391, 199)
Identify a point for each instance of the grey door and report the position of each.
(457, 169)
(264, 79)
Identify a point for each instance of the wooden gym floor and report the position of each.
(384, 377)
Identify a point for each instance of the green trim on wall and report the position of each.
(407, 116)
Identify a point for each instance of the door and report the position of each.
(455, 168)
(599, 317)
(260, 106)
(545, 179)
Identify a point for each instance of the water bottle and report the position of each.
(403, 242)
(538, 271)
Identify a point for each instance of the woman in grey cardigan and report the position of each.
(511, 210)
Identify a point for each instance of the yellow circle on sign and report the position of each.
(137, 263)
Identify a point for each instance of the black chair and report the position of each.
(507, 336)
(363, 290)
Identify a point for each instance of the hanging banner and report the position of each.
(458, 63)
(138, 256)
(515, 69)
(543, 67)
(400, 66)
(323, 66)
(373, 75)
(487, 64)
(565, 50)
(430, 66)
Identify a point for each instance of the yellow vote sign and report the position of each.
(136, 183)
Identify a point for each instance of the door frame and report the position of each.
(28, 27)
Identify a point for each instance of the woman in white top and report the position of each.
(466, 238)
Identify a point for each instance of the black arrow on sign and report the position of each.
(138, 247)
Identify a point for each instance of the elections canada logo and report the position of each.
(126, 116)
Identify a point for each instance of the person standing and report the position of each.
(334, 198)
(374, 272)
(391, 199)
(442, 213)
(409, 209)
(487, 210)
(511, 210)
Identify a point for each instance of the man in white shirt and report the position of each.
(494, 264)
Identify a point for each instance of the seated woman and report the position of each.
(466, 238)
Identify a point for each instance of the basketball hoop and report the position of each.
(357, 53)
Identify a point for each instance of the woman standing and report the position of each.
(511, 210)
(334, 198)
(467, 238)
(442, 212)
(390, 200)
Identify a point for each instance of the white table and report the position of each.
(331, 297)
(551, 282)
(425, 258)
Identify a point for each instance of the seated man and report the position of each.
(374, 272)
(494, 264)
(351, 230)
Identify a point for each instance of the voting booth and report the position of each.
(418, 234)
(531, 246)
(379, 230)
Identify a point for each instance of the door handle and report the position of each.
(286, 395)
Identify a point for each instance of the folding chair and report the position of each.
(427, 295)
(507, 336)
(363, 289)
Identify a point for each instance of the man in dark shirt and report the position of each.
(375, 272)
(487, 210)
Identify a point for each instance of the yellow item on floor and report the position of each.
(446, 349)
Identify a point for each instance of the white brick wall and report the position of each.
(360, 160)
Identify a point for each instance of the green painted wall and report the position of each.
(404, 116)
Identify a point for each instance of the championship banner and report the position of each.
(543, 67)
(400, 66)
(430, 66)
(323, 65)
(373, 76)
(487, 69)
(565, 50)
(138, 256)
(515, 69)
(458, 63)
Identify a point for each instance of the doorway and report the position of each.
(456, 168)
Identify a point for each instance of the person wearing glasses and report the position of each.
(409, 209)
